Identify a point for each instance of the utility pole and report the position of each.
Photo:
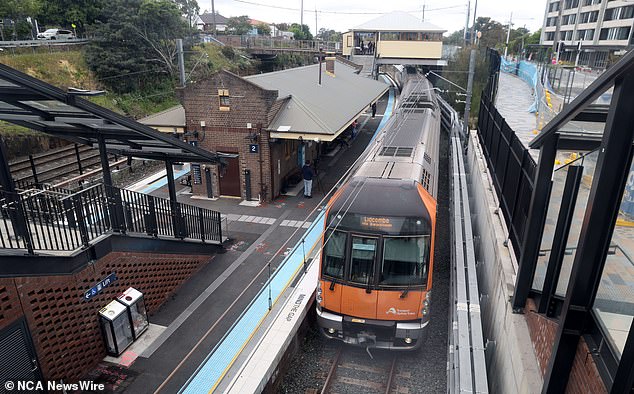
(181, 61)
(213, 17)
(423, 20)
(316, 31)
(467, 106)
(475, 9)
(301, 17)
(508, 35)
(466, 25)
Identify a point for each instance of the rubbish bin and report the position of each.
(135, 304)
(115, 327)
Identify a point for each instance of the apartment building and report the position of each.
(586, 32)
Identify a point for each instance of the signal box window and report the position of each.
(335, 254)
(223, 98)
(362, 261)
(405, 261)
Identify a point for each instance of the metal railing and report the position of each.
(280, 44)
(512, 167)
(63, 220)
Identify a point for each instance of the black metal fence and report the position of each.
(63, 220)
(509, 162)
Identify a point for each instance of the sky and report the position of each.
(343, 15)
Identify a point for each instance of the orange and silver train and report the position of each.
(377, 258)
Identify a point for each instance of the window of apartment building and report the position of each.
(585, 35)
(566, 35)
(589, 17)
(619, 13)
(568, 4)
(553, 7)
(223, 99)
(551, 21)
(550, 36)
(615, 33)
(569, 19)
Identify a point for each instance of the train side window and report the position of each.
(334, 254)
(362, 259)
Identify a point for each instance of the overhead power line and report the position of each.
(342, 12)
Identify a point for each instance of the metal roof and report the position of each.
(316, 111)
(29, 102)
(208, 18)
(398, 21)
(171, 117)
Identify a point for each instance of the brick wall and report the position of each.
(584, 377)
(10, 309)
(227, 131)
(65, 327)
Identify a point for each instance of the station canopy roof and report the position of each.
(32, 103)
(318, 112)
(398, 21)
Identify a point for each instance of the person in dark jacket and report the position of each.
(308, 174)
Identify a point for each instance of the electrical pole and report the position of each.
(467, 106)
(466, 25)
(475, 9)
(301, 17)
(423, 20)
(316, 31)
(508, 35)
(181, 61)
(213, 17)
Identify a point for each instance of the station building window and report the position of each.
(223, 99)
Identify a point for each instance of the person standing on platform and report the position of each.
(373, 109)
(308, 174)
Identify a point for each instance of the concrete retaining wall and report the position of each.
(511, 362)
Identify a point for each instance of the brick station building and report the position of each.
(273, 122)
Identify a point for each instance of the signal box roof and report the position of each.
(398, 21)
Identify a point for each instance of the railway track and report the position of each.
(59, 165)
(354, 371)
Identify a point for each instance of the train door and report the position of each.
(230, 178)
(356, 301)
(17, 356)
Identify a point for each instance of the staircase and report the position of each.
(367, 61)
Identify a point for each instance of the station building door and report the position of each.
(229, 180)
(18, 360)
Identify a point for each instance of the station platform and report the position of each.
(209, 335)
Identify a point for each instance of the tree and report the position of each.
(283, 26)
(189, 9)
(263, 29)
(328, 35)
(17, 11)
(493, 32)
(300, 32)
(239, 25)
(65, 13)
(134, 45)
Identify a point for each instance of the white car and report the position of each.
(56, 34)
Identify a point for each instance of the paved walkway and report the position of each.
(513, 100)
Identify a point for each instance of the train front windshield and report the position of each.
(382, 260)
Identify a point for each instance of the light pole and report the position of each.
(508, 35)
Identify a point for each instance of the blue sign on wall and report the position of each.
(253, 148)
(96, 289)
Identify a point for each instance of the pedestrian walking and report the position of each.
(373, 109)
(308, 174)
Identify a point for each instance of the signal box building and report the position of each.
(273, 122)
(395, 38)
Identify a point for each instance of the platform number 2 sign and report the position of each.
(253, 148)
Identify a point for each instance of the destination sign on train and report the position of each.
(371, 221)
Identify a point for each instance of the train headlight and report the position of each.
(425, 311)
(331, 331)
(428, 295)
(319, 290)
(319, 299)
(426, 303)
(408, 340)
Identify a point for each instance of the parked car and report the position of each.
(56, 34)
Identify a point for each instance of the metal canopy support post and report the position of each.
(535, 226)
(105, 166)
(560, 239)
(6, 181)
(114, 199)
(176, 217)
(612, 170)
